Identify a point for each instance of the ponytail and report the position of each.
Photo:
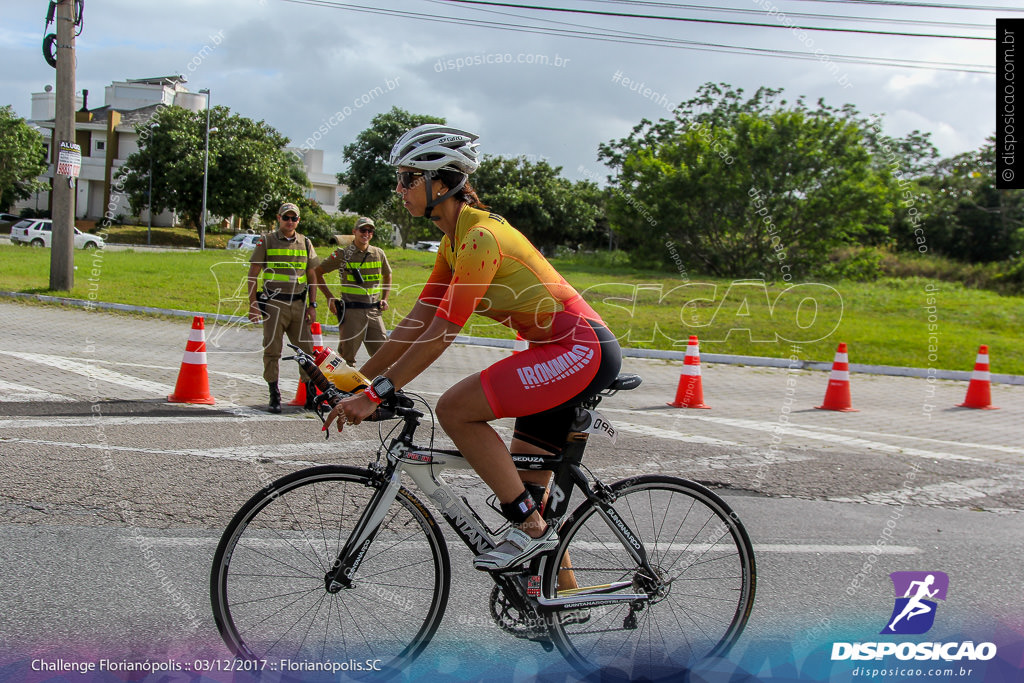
(466, 193)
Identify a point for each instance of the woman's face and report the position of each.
(410, 184)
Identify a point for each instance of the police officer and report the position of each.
(283, 260)
(365, 284)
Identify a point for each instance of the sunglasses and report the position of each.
(365, 229)
(405, 178)
(290, 219)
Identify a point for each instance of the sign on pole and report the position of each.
(69, 160)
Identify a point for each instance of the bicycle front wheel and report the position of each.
(700, 595)
(268, 591)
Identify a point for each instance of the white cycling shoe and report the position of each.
(516, 548)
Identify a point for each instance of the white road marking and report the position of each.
(252, 379)
(967, 444)
(282, 453)
(759, 426)
(933, 494)
(20, 393)
(659, 433)
(90, 370)
(249, 415)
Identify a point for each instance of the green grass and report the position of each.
(883, 322)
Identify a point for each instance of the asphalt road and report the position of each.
(98, 465)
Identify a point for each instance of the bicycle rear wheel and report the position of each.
(267, 583)
(701, 595)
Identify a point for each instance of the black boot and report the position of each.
(275, 398)
(310, 396)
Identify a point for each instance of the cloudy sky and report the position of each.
(546, 93)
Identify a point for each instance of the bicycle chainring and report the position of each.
(510, 618)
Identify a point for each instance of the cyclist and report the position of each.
(484, 265)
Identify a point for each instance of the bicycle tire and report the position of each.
(693, 538)
(267, 586)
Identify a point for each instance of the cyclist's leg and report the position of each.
(464, 413)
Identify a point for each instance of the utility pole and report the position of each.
(206, 172)
(62, 241)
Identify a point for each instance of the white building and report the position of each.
(107, 137)
(325, 188)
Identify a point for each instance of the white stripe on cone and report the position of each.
(690, 370)
(842, 375)
(196, 336)
(194, 358)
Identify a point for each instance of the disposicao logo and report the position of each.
(916, 595)
(913, 613)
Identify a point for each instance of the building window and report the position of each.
(100, 144)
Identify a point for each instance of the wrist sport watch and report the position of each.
(381, 389)
(312, 304)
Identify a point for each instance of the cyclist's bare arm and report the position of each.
(414, 356)
(404, 337)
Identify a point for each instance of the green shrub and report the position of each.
(856, 264)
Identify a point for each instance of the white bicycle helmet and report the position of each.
(434, 147)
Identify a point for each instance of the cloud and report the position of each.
(295, 66)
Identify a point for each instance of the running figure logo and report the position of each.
(916, 595)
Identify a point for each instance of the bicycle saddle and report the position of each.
(625, 383)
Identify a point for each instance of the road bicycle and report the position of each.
(343, 564)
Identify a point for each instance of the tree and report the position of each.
(748, 185)
(965, 216)
(22, 159)
(371, 179)
(549, 209)
(250, 173)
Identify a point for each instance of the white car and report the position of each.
(243, 240)
(36, 232)
(432, 247)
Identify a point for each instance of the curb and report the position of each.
(725, 359)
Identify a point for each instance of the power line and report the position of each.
(928, 5)
(809, 15)
(725, 22)
(646, 40)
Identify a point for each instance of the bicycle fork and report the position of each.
(359, 541)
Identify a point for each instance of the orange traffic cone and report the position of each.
(318, 337)
(318, 343)
(690, 392)
(979, 394)
(519, 345)
(193, 385)
(837, 396)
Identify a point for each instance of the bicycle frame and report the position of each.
(424, 467)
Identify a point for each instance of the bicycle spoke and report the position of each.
(276, 556)
(677, 523)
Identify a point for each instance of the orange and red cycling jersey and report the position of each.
(490, 268)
